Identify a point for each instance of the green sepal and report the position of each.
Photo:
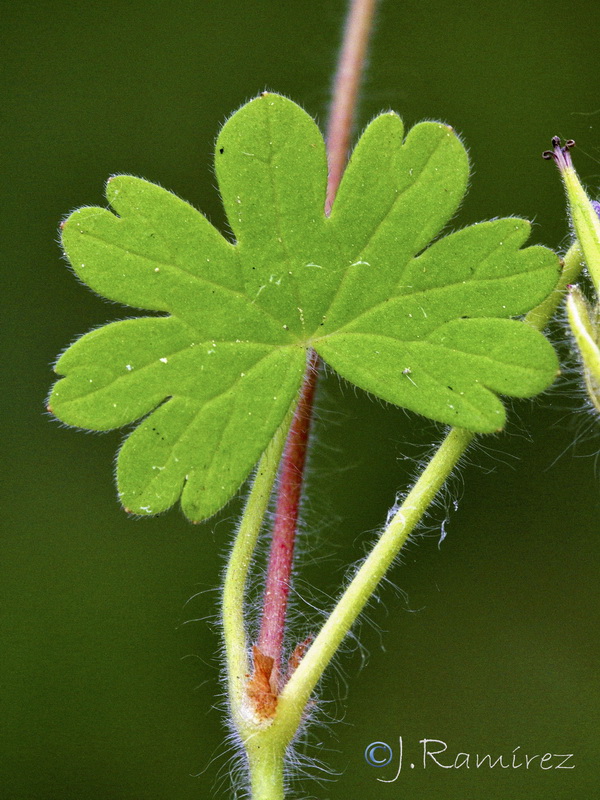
(584, 322)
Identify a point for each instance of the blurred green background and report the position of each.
(109, 678)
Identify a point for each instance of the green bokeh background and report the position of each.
(109, 677)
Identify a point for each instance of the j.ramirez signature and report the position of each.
(434, 753)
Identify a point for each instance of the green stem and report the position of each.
(266, 755)
(573, 263)
(297, 691)
(236, 575)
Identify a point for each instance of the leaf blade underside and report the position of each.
(426, 326)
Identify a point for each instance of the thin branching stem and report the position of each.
(236, 574)
(277, 587)
(572, 265)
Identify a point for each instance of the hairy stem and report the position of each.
(345, 92)
(279, 569)
(266, 754)
(239, 564)
(302, 683)
(573, 263)
(270, 640)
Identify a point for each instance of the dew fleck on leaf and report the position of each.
(365, 287)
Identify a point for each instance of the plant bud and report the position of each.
(585, 324)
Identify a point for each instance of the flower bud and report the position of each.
(584, 212)
(585, 325)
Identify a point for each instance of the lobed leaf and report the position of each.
(395, 197)
(427, 326)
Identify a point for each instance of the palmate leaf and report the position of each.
(429, 328)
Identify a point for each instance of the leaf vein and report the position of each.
(192, 422)
(358, 253)
(179, 268)
(435, 289)
(438, 346)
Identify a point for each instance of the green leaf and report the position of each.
(431, 345)
(427, 326)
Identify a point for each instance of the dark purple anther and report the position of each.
(560, 154)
